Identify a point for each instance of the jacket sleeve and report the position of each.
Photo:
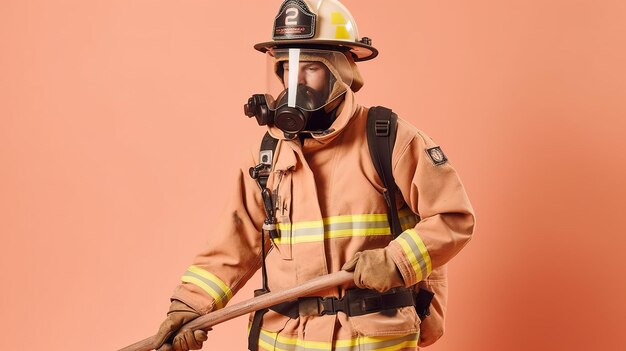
(432, 189)
(233, 253)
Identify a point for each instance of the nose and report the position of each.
(301, 78)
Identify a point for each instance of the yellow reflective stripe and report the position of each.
(340, 227)
(210, 283)
(213, 278)
(283, 226)
(300, 225)
(303, 239)
(299, 342)
(206, 287)
(400, 346)
(423, 250)
(411, 256)
(343, 233)
(376, 343)
(307, 225)
(416, 252)
(306, 344)
(376, 217)
(364, 340)
(267, 346)
(349, 342)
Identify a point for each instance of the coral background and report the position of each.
(121, 126)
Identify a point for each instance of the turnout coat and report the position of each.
(329, 206)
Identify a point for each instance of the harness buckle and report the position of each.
(382, 127)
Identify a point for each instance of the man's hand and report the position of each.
(374, 269)
(186, 339)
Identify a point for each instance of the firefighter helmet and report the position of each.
(321, 24)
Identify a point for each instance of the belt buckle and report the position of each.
(332, 305)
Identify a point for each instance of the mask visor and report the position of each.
(307, 79)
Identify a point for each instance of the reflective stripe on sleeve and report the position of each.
(416, 252)
(210, 283)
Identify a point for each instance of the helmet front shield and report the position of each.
(307, 79)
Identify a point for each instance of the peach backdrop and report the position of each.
(121, 124)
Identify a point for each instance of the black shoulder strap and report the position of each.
(266, 157)
(382, 125)
(268, 147)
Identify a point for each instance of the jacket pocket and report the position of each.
(403, 321)
(273, 323)
(283, 242)
(433, 325)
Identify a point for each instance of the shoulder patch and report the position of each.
(437, 156)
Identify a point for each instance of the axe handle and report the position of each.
(255, 304)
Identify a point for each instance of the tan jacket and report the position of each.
(329, 207)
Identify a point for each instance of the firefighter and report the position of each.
(321, 207)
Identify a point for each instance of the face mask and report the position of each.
(291, 120)
(305, 83)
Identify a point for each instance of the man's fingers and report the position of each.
(180, 344)
(165, 331)
(350, 265)
(187, 340)
(190, 340)
(166, 338)
(201, 336)
(165, 347)
(358, 279)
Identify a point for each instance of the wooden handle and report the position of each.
(255, 304)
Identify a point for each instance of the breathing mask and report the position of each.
(304, 86)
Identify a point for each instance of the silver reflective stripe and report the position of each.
(389, 343)
(409, 240)
(355, 225)
(356, 344)
(208, 282)
(340, 226)
(302, 232)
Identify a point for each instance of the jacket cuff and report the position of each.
(411, 256)
(191, 296)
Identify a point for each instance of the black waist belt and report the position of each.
(355, 302)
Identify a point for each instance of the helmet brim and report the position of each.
(361, 52)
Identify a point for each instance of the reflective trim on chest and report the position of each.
(340, 227)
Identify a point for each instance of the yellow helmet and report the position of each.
(322, 24)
